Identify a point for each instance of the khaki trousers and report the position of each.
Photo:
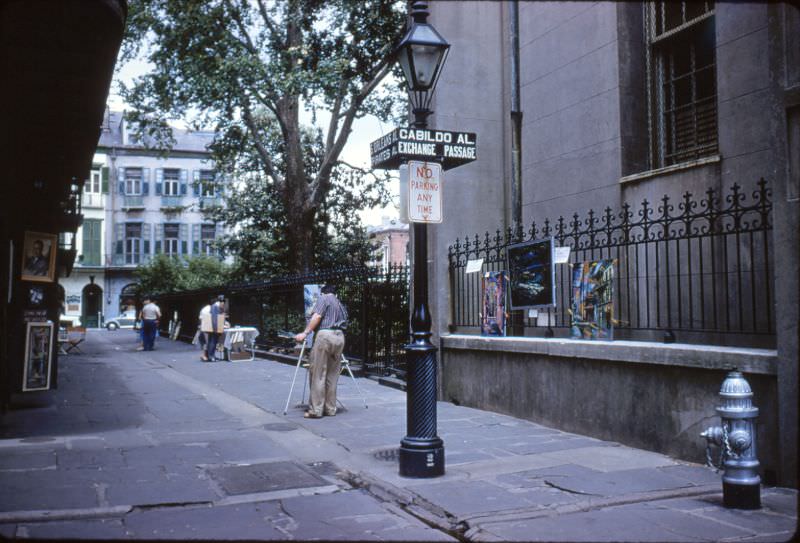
(323, 372)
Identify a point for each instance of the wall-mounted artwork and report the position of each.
(531, 274)
(493, 313)
(38, 350)
(39, 257)
(593, 300)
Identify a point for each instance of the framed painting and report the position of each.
(39, 257)
(38, 354)
(493, 314)
(592, 311)
(531, 274)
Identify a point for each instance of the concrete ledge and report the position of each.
(754, 361)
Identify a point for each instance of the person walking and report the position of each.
(149, 315)
(215, 327)
(205, 328)
(325, 364)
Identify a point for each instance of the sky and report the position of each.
(356, 151)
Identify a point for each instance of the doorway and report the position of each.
(92, 306)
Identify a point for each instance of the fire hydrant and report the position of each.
(736, 438)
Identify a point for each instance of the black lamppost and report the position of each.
(421, 54)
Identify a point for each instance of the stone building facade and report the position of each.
(619, 103)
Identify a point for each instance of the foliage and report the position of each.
(247, 68)
(169, 274)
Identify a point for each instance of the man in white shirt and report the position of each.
(150, 314)
(205, 327)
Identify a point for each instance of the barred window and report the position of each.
(207, 187)
(133, 181)
(172, 179)
(682, 87)
(133, 242)
(207, 235)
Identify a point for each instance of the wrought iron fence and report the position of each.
(700, 272)
(376, 299)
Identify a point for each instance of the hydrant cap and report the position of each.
(735, 386)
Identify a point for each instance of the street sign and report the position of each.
(424, 192)
(400, 145)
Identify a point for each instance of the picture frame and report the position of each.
(493, 314)
(38, 356)
(39, 257)
(592, 300)
(531, 274)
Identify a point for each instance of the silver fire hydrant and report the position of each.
(736, 439)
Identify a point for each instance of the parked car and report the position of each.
(125, 320)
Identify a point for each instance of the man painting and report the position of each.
(214, 328)
(326, 355)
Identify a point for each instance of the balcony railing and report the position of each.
(131, 260)
(133, 202)
(210, 201)
(171, 201)
(94, 200)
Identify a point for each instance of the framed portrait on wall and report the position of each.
(531, 274)
(493, 315)
(38, 353)
(39, 257)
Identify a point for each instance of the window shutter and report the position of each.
(184, 175)
(159, 181)
(146, 238)
(104, 172)
(217, 236)
(222, 180)
(119, 235)
(183, 235)
(145, 181)
(159, 238)
(196, 182)
(217, 185)
(121, 180)
(196, 230)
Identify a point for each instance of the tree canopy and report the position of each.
(165, 274)
(248, 68)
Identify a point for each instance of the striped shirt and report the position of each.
(331, 310)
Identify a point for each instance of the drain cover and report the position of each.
(388, 455)
(265, 477)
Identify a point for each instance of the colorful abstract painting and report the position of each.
(310, 295)
(531, 274)
(493, 314)
(593, 300)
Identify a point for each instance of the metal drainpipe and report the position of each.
(516, 121)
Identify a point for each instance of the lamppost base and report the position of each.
(422, 459)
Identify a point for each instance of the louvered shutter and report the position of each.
(159, 238)
(146, 235)
(145, 181)
(184, 177)
(121, 180)
(217, 236)
(119, 236)
(159, 181)
(104, 173)
(183, 236)
(196, 232)
(196, 182)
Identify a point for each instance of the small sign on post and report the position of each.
(424, 192)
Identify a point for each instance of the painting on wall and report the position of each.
(38, 351)
(531, 274)
(592, 311)
(39, 257)
(493, 314)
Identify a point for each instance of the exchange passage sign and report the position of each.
(403, 144)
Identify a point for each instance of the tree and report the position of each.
(164, 274)
(247, 67)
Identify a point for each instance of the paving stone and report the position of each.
(167, 490)
(8, 530)
(238, 450)
(51, 496)
(538, 477)
(461, 498)
(234, 522)
(628, 523)
(27, 460)
(90, 459)
(105, 529)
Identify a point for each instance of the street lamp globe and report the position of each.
(421, 54)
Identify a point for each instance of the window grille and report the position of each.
(207, 183)
(207, 236)
(681, 85)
